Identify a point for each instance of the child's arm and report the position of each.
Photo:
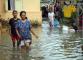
(18, 33)
(10, 31)
(34, 33)
(54, 15)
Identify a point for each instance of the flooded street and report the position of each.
(51, 45)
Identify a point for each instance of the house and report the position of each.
(32, 7)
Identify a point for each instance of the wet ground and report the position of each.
(51, 45)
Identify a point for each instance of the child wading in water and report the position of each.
(12, 23)
(23, 29)
(51, 18)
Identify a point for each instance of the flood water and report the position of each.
(51, 45)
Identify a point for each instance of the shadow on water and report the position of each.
(51, 45)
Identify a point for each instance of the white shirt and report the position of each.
(51, 16)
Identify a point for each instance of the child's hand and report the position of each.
(19, 36)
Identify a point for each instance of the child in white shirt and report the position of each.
(51, 18)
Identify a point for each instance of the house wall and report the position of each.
(32, 7)
(2, 7)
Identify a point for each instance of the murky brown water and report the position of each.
(51, 45)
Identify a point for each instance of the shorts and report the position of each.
(24, 42)
(15, 38)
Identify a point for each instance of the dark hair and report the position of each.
(22, 12)
(14, 11)
(26, 17)
(56, 17)
(50, 9)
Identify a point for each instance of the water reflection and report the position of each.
(51, 45)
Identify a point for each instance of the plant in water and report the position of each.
(36, 22)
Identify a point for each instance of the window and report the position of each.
(19, 5)
(11, 4)
(14, 5)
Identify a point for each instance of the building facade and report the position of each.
(32, 7)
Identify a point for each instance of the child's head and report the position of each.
(14, 13)
(50, 9)
(56, 17)
(23, 15)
